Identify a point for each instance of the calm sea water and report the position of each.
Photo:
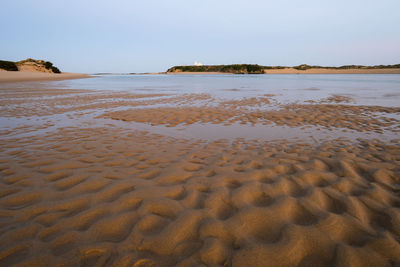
(381, 89)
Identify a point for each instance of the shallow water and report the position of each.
(365, 89)
(377, 90)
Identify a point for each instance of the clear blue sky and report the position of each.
(152, 35)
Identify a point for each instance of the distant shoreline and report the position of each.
(272, 71)
(301, 69)
(332, 71)
(294, 71)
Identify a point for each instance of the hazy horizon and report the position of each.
(151, 36)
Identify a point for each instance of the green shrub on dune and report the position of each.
(55, 70)
(8, 65)
(48, 65)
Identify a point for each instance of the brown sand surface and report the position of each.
(79, 186)
(23, 76)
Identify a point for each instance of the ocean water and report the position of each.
(370, 89)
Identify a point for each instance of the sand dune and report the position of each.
(95, 193)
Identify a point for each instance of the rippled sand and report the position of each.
(83, 186)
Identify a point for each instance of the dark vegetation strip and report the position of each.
(257, 69)
(8, 65)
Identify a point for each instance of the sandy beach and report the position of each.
(24, 76)
(104, 178)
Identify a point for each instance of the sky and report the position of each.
(153, 35)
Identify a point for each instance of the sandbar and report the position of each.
(24, 76)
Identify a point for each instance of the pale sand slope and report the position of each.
(22, 76)
(98, 194)
(33, 67)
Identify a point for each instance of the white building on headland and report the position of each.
(198, 63)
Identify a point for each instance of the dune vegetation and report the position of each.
(8, 65)
(235, 68)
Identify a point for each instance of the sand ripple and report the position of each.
(97, 202)
(79, 189)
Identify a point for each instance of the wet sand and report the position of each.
(84, 184)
